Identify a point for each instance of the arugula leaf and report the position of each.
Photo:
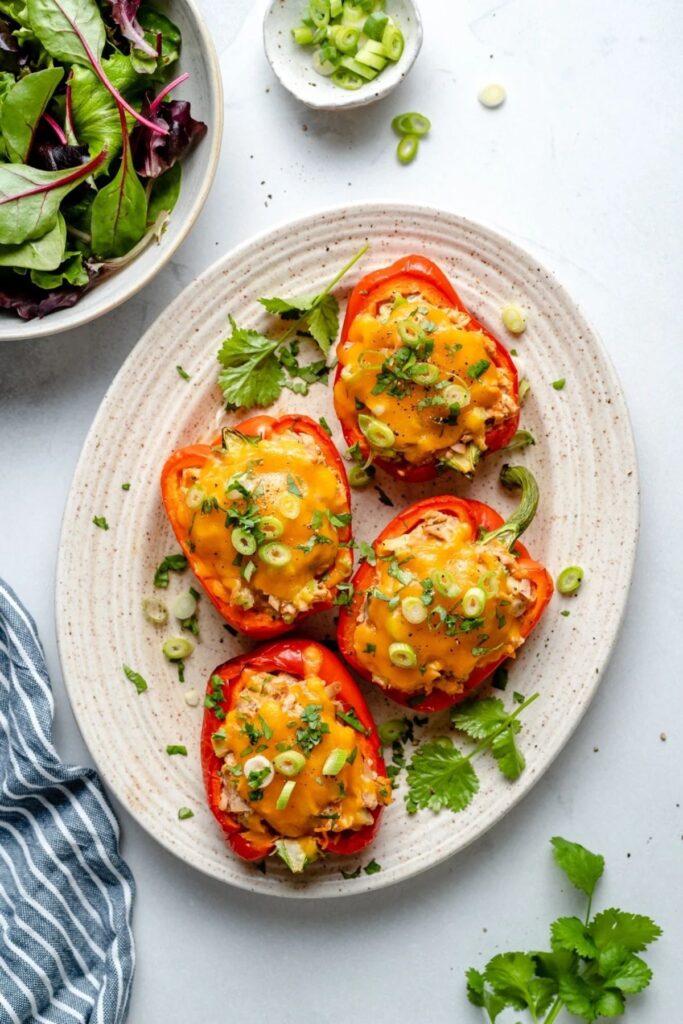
(633, 931)
(582, 868)
(251, 373)
(439, 775)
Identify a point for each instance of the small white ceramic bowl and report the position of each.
(204, 91)
(293, 64)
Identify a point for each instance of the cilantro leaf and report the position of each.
(571, 934)
(590, 1001)
(624, 970)
(512, 976)
(479, 995)
(554, 965)
(479, 718)
(582, 868)
(634, 931)
(251, 374)
(281, 307)
(439, 775)
(509, 757)
(323, 321)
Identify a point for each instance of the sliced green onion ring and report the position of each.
(335, 761)
(375, 25)
(359, 477)
(285, 795)
(289, 763)
(289, 505)
(410, 333)
(345, 38)
(411, 124)
(402, 655)
(185, 606)
(473, 602)
(259, 763)
(424, 373)
(319, 13)
(413, 610)
(271, 527)
(346, 79)
(379, 434)
(393, 42)
(176, 648)
(407, 148)
(456, 394)
(570, 579)
(444, 583)
(194, 498)
(242, 541)
(154, 610)
(393, 731)
(275, 554)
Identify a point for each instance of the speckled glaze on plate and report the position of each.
(293, 64)
(584, 460)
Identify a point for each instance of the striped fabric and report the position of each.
(66, 946)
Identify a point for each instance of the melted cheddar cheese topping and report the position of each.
(426, 420)
(280, 497)
(448, 645)
(276, 713)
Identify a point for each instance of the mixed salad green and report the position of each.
(90, 143)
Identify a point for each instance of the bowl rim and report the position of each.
(15, 329)
(347, 101)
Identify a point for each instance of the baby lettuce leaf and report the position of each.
(124, 13)
(71, 271)
(119, 212)
(44, 253)
(94, 112)
(164, 192)
(24, 105)
(155, 153)
(30, 198)
(28, 301)
(67, 28)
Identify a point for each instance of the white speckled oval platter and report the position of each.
(584, 461)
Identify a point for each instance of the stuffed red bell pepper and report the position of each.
(291, 757)
(420, 383)
(446, 597)
(264, 518)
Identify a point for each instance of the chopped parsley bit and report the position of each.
(317, 538)
(177, 748)
(135, 678)
(518, 697)
(427, 592)
(513, 352)
(369, 648)
(184, 813)
(344, 594)
(355, 454)
(351, 874)
(565, 613)
(339, 519)
(171, 563)
(292, 487)
(182, 373)
(125, 487)
(180, 665)
(231, 629)
(367, 553)
(559, 384)
(101, 522)
(384, 498)
(351, 718)
(214, 699)
(311, 735)
(395, 570)
(476, 369)
(267, 731)
(500, 678)
(372, 868)
(325, 425)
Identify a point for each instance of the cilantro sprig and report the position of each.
(255, 368)
(592, 966)
(440, 775)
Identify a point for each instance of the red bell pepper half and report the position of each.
(255, 623)
(485, 525)
(292, 657)
(417, 275)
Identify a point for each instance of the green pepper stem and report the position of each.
(514, 527)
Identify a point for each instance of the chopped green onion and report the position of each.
(559, 384)
(285, 794)
(402, 655)
(411, 124)
(346, 79)
(477, 369)
(456, 394)
(410, 333)
(219, 743)
(524, 389)
(569, 580)
(185, 606)
(370, 59)
(194, 498)
(444, 583)
(293, 854)
(413, 610)
(378, 434)
(289, 762)
(242, 541)
(176, 648)
(336, 8)
(345, 38)
(261, 766)
(335, 761)
(275, 554)
(303, 35)
(359, 477)
(362, 70)
(271, 527)
(492, 95)
(393, 731)
(319, 12)
(154, 611)
(289, 505)
(407, 148)
(424, 373)
(514, 318)
(473, 602)
(375, 25)
(393, 42)
(184, 813)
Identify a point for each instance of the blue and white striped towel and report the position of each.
(66, 895)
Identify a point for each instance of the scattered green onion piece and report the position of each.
(242, 541)
(393, 731)
(271, 527)
(444, 583)
(154, 611)
(194, 498)
(346, 79)
(371, 60)
(289, 762)
(407, 148)
(410, 333)
(184, 813)
(393, 42)
(184, 606)
(492, 96)
(456, 394)
(259, 763)
(319, 13)
(303, 35)
(336, 8)
(424, 373)
(275, 554)
(322, 65)
(402, 655)
(176, 648)
(378, 434)
(413, 610)
(362, 70)
(411, 124)
(285, 794)
(359, 477)
(219, 743)
(345, 38)
(293, 854)
(569, 580)
(473, 602)
(514, 318)
(559, 384)
(335, 761)
(375, 25)
(289, 505)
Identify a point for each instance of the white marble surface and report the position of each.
(581, 166)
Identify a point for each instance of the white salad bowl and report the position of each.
(293, 64)
(204, 91)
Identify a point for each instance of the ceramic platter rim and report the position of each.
(584, 459)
